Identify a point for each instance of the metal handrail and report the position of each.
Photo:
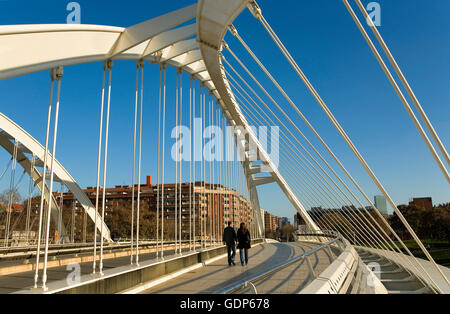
(255, 278)
(62, 250)
(324, 233)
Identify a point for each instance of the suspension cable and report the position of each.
(30, 193)
(180, 207)
(291, 158)
(196, 216)
(383, 231)
(6, 168)
(402, 97)
(44, 171)
(176, 161)
(99, 158)
(164, 67)
(57, 73)
(314, 182)
(11, 192)
(140, 66)
(190, 164)
(210, 194)
(323, 143)
(344, 136)
(158, 187)
(134, 163)
(105, 160)
(203, 175)
(331, 169)
(60, 217)
(399, 73)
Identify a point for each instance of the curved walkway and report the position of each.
(217, 276)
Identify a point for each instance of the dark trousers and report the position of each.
(231, 249)
(243, 253)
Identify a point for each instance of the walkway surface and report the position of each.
(25, 280)
(208, 279)
(218, 275)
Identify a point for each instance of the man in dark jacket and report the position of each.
(229, 238)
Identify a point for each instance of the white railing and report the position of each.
(339, 241)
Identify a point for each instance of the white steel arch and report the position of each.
(32, 146)
(26, 163)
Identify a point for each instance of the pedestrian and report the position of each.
(243, 236)
(229, 238)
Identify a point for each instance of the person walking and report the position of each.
(229, 238)
(243, 236)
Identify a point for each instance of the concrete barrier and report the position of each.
(336, 277)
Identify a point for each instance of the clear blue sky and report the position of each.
(327, 45)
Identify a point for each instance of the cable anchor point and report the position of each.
(140, 64)
(255, 9)
(232, 30)
(108, 65)
(56, 73)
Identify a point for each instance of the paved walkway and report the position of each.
(208, 279)
(217, 276)
(25, 280)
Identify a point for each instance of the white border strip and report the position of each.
(153, 283)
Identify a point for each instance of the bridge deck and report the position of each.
(218, 275)
(24, 280)
(209, 279)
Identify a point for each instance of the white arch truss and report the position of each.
(29, 145)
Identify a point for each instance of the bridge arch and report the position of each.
(29, 145)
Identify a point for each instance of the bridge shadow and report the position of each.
(287, 276)
(279, 252)
(303, 249)
(308, 278)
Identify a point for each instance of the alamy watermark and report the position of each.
(376, 270)
(374, 11)
(234, 143)
(74, 276)
(74, 17)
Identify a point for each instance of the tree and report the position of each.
(427, 223)
(441, 225)
(7, 194)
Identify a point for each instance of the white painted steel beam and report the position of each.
(179, 49)
(15, 131)
(168, 38)
(35, 175)
(141, 32)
